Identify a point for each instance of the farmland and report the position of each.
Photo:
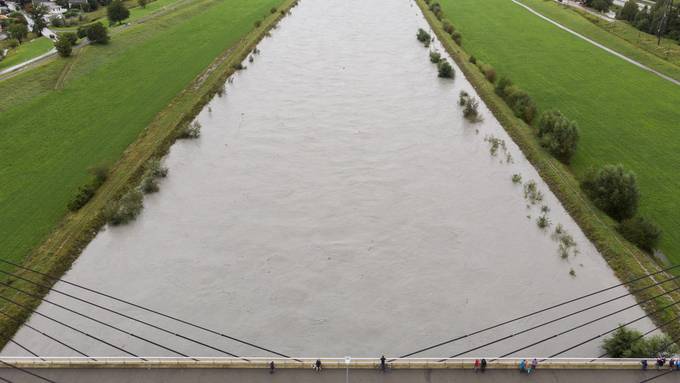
(626, 115)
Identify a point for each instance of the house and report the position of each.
(53, 9)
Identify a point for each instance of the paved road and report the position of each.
(209, 375)
(609, 50)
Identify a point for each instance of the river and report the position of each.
(338, 203)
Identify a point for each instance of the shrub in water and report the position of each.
(644, 233)
(445, 69)
(192, 130)
(423, 37)
(435, 57)
(614, 190)
(516, 178)
(471, 111)
(463, 97)
(127, 209)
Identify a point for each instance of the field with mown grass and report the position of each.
(26, 51)
(617, 35)
(627, 115)
(109, 94)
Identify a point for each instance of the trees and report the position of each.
(116, 12)
(63, 46)
(559, 135)
(97, 33)
(614, 190)
(629, 11)
(600, 5)
(626, 343)
(644, 233)
(38, 13)
(142, 3)
(18, 31)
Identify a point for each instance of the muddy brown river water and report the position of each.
(338, 203)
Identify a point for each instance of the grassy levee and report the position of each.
(626, 260)
(27, 51)
(601, 31)
(627, 115)
(102, 115)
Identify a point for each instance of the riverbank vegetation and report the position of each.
(628, 343)
(559, 70)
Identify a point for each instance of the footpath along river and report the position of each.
(338, 203)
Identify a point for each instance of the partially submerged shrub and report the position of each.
(627, 343)
(614, 190)
(644, 233)
(192, 130)
(532, 193)
(445, 69)
(516, 178)
(463, 97)
(423, 37)
(435, 57)
(543, 222)
(127, 209)
(154, 171)
(471, 111)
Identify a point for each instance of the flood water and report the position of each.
(338, 203)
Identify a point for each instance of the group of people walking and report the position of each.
(673, 363)
(528, 368)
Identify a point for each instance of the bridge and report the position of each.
(362, 370)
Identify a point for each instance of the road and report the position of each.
(215, 375)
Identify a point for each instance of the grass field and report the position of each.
(27, 51)
(626, 115)
(617, 35)
(111, 93)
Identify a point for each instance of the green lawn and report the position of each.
(627, 115)
(26, 51)
(50, 138)
(617, 35)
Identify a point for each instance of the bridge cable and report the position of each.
(562, 317)
(26, 349)
(200, 327)
(598, 319)
(71, 327)
(15, 319)
(96, 321)
(5, 380)
(120, 314)
(532, 313)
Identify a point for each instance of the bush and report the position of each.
(423, 37)
(448, 27)
(489, 73)
(57, 22)
(614, 190)
(559, 135)
(12, 43)
(435, 57)
(63, 46)
(81, 32)
(445, 69)
(258, 23)
(273, 10)
(471, 109)
(625, 343)
(644, 233)
(501, 87)
(192, 130)
(84, 195)
(127, 209)
(71, 37)
(457, 37)
(520, 103)
(116, 12)
(463, 97)
(473, 59)
(98, 34)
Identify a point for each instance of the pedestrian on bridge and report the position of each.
(660, 361)
(271, 367)
(644, 364)
(523, 365)
(383, 364)
(317, 365)
(483, 367)
(476, 365)
(671, 363)
(534, 364)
